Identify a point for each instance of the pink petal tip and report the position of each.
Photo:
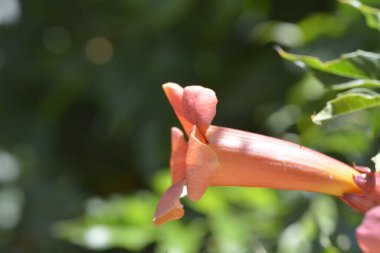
(199, 106)
(368, 233)
(169, 207)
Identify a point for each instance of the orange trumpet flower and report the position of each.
(219, 156)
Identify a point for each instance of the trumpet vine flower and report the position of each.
(220, 156)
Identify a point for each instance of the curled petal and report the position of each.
(194, 105)
(178, 155)
(169, 207)
(362, 169)
(202, 166)
(174, 93)
(369, 183)
(199, 106)
(358, 202)
(368, 233)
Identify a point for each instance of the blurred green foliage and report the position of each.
(371, 14)
(222, 221)
(84, 125)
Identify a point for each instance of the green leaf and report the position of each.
(376, 161)
(358, 83)
(372, 15)
(353, 100)
(359, 64)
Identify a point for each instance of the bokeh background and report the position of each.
(84, 124)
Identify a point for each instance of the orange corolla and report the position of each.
(219, 156)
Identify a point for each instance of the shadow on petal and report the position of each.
(178, 155)
(174, 93)
(169, 207)
(202, 166)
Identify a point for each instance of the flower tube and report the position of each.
(219, 156)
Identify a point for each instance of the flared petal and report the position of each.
(178, 155)
(199, 106)
(194, 105)
(368, 233)
(174, 93)
(202, 166)
(369, 183)
(169, 207)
